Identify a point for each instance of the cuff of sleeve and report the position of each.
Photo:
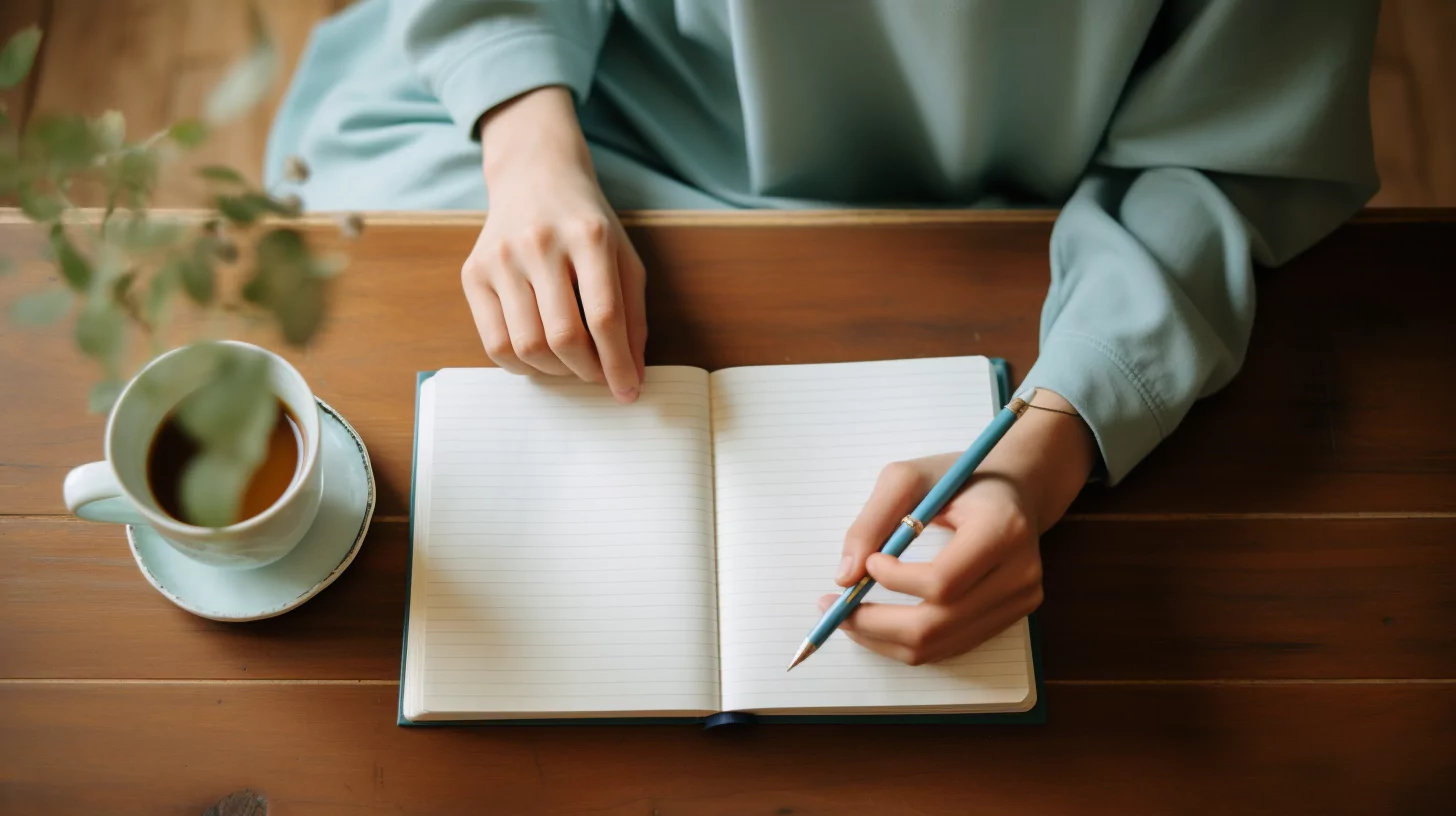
(1124, 414)
(501, 70)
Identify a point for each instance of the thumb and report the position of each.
(900, 486)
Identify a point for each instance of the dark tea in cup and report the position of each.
(173, 449)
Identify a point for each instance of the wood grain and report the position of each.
(216, 34)
(156, 61)
(1250, 599)
(1201, 659)
(1413, 102)
(1125, 600)
(75, 605)
(112, 55)
(1315, 422)
(335, 750)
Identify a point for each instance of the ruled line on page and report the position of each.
(797, 450)
(568, 546)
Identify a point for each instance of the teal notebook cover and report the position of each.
(1036, 715)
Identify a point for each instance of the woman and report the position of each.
(1185, 140)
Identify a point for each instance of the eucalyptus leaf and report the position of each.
(121, 289)
(221, 173)
(286, 282)
(281, 263)
(131, 176)
(212, 489)
(41, 308)
(301, 313)
(245, 85)
(12, 172)
(74, 267)
(18, 55)
(103, 395)
(99, 332)
(196, 272)
(230, 417)
(241, 211)
(40, 206)
(283, 252)
(255, 291)
(257, 26)
(188, 133)
(109, 130)
(230, 412)
(66, 142)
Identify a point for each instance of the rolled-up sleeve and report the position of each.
(473, 55)
(1245, 139)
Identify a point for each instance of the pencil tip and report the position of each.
(804, 651)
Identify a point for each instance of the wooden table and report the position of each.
(1263, 618)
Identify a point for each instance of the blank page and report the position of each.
(563, 549)
(797, 450)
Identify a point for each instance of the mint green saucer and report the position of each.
(324, 553)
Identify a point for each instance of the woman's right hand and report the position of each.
(551, 237)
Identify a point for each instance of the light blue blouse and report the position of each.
(1185, 140)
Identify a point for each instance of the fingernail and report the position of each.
(845, 565)
(628, 394)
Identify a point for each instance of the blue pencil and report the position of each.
(910, 526)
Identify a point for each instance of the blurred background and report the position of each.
(155, 60)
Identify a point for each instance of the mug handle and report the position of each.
(92, 493)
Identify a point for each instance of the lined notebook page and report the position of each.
(797, 450)
(563, 551)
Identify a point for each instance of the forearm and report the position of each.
(537, 129)
(1049, 453)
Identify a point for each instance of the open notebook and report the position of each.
(573, 558)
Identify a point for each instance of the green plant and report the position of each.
(123, 269)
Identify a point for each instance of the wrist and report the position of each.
(535, 132)
(1049, 453)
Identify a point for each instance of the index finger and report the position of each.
(900, 487)
(598, 280)
(973, 552)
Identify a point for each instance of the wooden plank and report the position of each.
(216, 34)
(1394, 115)
(1426, 30)
(1330, 412)
(1315, 423)
(112, 55)
(156, 60)
(75, 605)
(1125, 601)
(1125, 749)
(1249, 599)
(1411, 101)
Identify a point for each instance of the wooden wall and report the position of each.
(155, 60)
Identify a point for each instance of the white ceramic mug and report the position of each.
(116, 490)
